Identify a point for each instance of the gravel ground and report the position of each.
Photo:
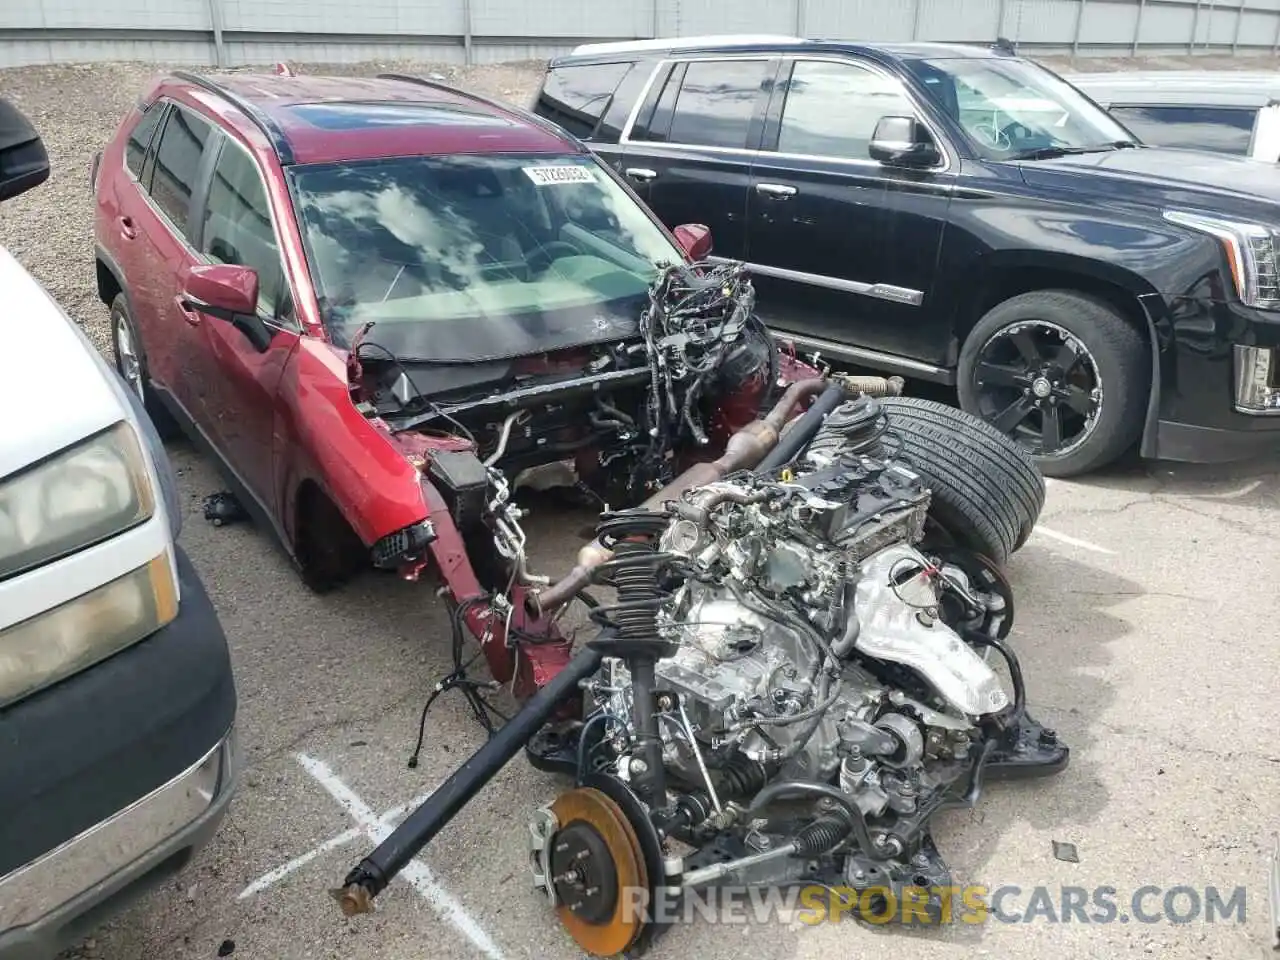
(1146, 624)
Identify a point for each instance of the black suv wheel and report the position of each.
(1061, 373)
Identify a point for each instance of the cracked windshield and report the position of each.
(472, 258)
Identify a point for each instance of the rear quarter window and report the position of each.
(577, 97)
(140, 137)
(178, 164)
(1219, 129)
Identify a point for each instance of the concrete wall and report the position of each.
(235, 32)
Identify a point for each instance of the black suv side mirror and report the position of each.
(902, 142)
(24, 162)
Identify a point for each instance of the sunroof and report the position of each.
(362, 116)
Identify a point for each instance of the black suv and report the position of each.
(965, 216)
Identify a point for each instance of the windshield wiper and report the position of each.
(1051, 153)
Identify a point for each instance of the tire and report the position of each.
(329, 553)
(987, 493)
(131, 363)
(1058, 357)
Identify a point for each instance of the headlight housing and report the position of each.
(73, 500)
(54, 644)
(1251, 249)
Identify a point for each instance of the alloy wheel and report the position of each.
(127, 357)
(1037, 383)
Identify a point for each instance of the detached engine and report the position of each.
(806, 604)
(812, 686)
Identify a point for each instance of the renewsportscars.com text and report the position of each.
(814, 904)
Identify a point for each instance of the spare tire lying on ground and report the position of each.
(987, 493)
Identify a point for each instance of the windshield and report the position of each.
(1013, 109)
(467, 258)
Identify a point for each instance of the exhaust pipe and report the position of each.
(745, 449)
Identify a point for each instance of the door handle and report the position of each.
(779, 191)
(642, 174)
(191, 316)
(127, 229)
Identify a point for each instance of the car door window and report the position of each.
(177, 164)
(577, 97)
(1220, 129)
(716, 102)
(238, 229)
(831, 109)
(140, 137)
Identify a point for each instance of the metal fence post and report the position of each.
(1208, 30)
(1137, 28)
(1004, 4)
(1195, 25)
(655, 28)
(915, 22)
(801, 17)
(1235, 40)
(1275, 41)
(215, 21)
(466, 32)
(1075, 40)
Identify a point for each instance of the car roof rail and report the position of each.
(685, 43)
(270, 129)
(520, 112)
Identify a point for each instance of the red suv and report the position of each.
(250, 230)
(365, 297)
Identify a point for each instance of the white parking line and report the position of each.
(415, 872)
(272, 877)
(1040, 531)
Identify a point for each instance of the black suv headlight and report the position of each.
(1251, 249)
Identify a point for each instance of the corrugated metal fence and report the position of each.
(233, 32)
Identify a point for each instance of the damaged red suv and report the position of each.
(384, 305)
(334, 285)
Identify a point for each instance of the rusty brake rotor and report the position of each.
(598, 872)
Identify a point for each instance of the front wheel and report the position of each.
(1063, 374)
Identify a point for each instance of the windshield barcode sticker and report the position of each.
(547, 176)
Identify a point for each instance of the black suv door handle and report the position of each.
(779, 191)
(641, 174)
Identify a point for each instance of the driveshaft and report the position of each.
(375, 871)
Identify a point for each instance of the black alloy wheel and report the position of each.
(1039, 384)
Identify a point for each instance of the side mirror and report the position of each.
(902, 142)
(694, 240)
(24, 162)
(228, 292)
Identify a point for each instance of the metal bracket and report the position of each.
(542, 827)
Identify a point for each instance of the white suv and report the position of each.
(117, 703)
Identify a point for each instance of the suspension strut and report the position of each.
(631, 634)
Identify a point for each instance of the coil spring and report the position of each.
(634, 572)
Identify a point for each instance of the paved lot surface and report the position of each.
(1147, 624)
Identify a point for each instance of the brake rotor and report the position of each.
(595, 864)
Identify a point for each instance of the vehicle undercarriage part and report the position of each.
(789, 685)
(223, 508)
